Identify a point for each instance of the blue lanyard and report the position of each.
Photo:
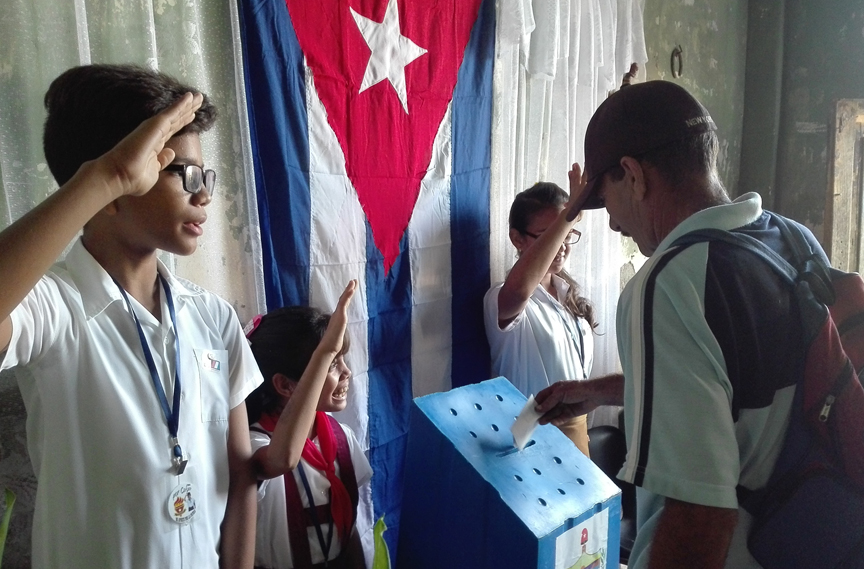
(581, 351)
(579, 345)
(172, 414)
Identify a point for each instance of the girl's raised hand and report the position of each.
(578, 195)
(335, 333)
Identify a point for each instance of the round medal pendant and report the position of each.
(181, 504)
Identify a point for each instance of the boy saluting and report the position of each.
(134, 380)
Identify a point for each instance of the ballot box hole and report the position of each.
(537, 472)
(514, 449)
(499, 398)
(542, 501)
(556, 459)
(478, 407)
(453, 412)
(517, 477)
(495, 428)
(473, 434)
(562, 492)
(580, 481)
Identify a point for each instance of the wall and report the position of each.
(823, 61)
(15, 473)
(713, 36)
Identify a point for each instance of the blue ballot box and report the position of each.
(472, 500)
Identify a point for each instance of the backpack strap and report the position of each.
(808, 266)
(777, 263)
(811, 267)
(346, 466)
(810, 280)
(301, 554)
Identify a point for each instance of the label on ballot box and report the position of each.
(584, 546)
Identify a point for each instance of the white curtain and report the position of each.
(555, 62)
(196, 41)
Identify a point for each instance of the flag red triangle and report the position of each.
(387, 151)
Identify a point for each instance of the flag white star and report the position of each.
(391, 51)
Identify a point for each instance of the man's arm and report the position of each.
(565, 400)
(237, 545)
(689, 535)
(32, 244)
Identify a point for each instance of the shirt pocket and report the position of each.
(212, 369)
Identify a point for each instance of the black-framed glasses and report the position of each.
(195, 177)
(572, 238)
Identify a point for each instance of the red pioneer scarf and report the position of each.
(325, 461)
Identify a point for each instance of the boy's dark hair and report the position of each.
(539, 197)
(283, 342)
(93, 107)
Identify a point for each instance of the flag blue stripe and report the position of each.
(390, 381)
(389, 306)
(276, 92)
(469, 200)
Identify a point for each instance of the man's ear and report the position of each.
(283, 385)
(518, 240)
(635, 175)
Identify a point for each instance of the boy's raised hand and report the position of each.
(135, 162)
(334, 336)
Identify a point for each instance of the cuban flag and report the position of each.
(371, 125)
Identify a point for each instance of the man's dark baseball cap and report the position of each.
(635, 120)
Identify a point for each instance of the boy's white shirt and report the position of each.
(272, 546)
(96, 434)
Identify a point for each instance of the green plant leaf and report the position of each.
(381, 559)
(4, 524)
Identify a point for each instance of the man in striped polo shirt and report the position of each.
(709, 337)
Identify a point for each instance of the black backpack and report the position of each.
(811, 513)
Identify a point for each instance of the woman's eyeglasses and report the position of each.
(195, 177)
(572, 238)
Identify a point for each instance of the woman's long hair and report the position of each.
(540, 197)
(283, 342)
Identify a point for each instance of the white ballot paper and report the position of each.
(525, 424)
